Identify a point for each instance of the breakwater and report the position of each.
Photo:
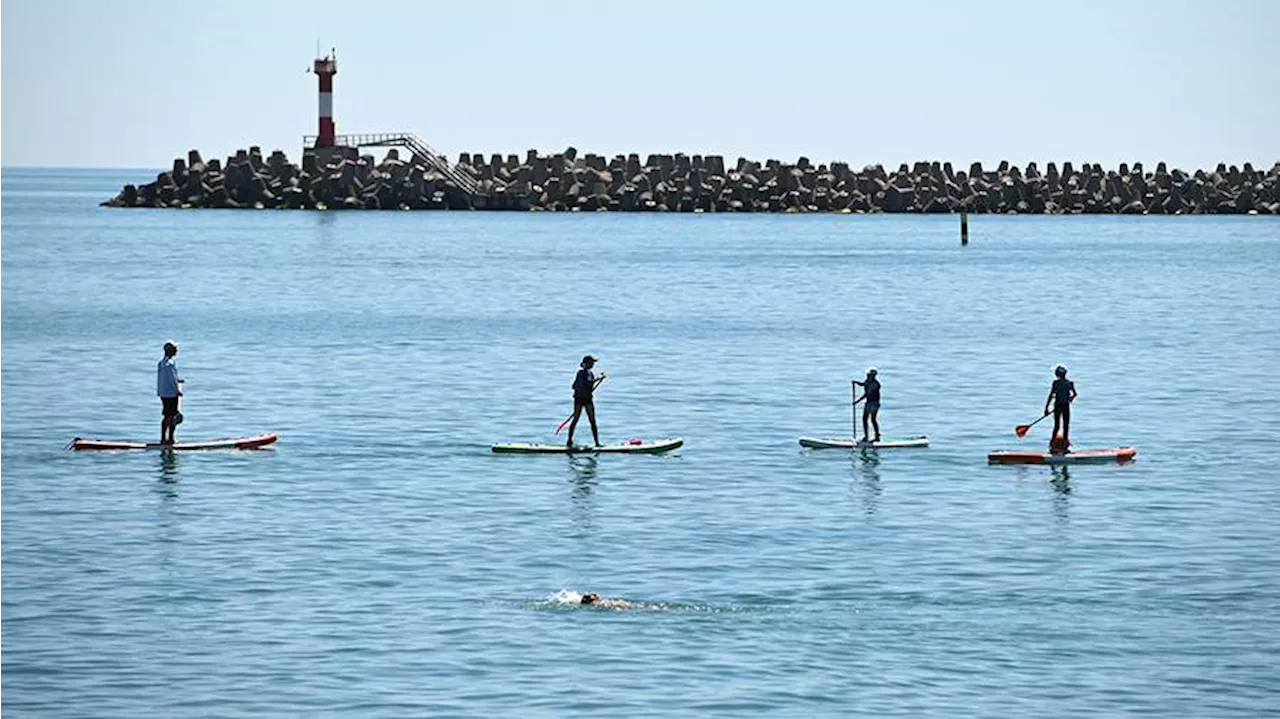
(342, 178)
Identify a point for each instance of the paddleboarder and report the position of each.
(584, 387)
(1061, 394)
(871, 407)
(169, 389)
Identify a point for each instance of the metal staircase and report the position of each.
(408, 140)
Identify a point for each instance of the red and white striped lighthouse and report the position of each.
(325, 68)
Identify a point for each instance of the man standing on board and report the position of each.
(169, 388)
(584, 387)
(1062, 393)
(871, 409)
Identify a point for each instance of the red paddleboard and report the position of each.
(1084, 456)
(255, 442)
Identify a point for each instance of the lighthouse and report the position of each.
(325, 68)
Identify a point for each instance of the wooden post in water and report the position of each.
(964, 229)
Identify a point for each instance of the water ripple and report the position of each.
(380, 561)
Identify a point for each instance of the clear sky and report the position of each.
(137, 83)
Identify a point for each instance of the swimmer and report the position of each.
(595, 600)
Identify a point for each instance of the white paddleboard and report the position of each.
(918, 440)
(253, 442)
(634, 446)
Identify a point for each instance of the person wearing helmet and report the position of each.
(1061, 394)
(169, 389)
(584, 387)
(871, 408)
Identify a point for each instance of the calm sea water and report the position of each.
(382, 562)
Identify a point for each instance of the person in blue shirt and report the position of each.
(1062, 393)
(870, 408)
(169, 389)
(584, 387)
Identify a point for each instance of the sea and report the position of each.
(380, 561)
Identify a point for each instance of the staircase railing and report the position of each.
(434, 160)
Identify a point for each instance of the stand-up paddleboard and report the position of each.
(1084, 456)
(632, 446)
(917, 440)
(254, 442)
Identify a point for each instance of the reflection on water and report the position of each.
(866, 475)
(168, 474)
(584, 471)
(1061, 479)
(326, 231)
(1061, 482)
(585, 467)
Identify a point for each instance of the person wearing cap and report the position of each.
(871, 408)
(1061, 393)
(584, 387)
(169, 389)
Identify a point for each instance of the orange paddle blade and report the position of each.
(1022, 429)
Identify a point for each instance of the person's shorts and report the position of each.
(169, 407)
(873, 406)
(584, 402)
(1061, 407)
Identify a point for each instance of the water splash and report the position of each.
(566, 597)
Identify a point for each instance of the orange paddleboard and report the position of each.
(1084, 456)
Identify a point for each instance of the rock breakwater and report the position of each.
(569, 181)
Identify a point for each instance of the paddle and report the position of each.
(566, 421)
(1022, 429)
(853, 392)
